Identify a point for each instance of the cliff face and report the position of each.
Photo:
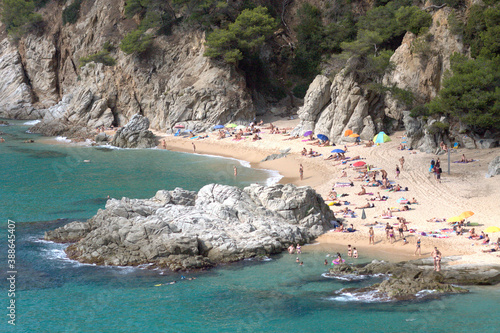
(175, 83)
(419, 64)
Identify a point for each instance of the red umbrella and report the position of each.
(359, 164)
(179, 126)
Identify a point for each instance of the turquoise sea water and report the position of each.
(44, 186)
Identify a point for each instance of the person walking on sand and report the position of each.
(372, 236)
(397, 171)
(436, 254)
(402, 161)
(301, 172)
(419, 248)
(235, 171)
(194, 147)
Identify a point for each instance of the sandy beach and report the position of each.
(464, 189)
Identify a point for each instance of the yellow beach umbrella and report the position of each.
(492, 229)
(466, 214)
(354, 135)
(454, 219)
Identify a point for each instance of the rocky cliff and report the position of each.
(181, 229)
(174, 84)
(347, 101)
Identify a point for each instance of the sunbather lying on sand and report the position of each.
(435, 219)
(404, 209)
(368, 205)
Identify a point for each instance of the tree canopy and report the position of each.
(249, 31)
(472, 93)
(18, 15)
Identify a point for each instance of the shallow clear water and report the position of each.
(49, 182)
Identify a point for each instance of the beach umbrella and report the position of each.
(308, 133)
(338, 151)
(231, 125)
(359, 164)
(492, 229)
(218, 126)
(466, 214)
(454, 219)
(381, 137)
(240, 127)
(363, 214)
(354, 135)
(347, 132)
(179, 126)
(322, 137)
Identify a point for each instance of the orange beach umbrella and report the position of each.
(354, 135)
(347, 132)
(466, 214)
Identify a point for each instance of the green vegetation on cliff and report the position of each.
(19, 16)
(471, 90)
(71, 13)
(472, 93)
(249, 31)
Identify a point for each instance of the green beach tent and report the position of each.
(381, 137)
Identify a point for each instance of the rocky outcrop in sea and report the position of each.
(183, 230)
(414, 279)
(135, 134)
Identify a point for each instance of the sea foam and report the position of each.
(32, 122)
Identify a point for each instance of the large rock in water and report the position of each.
(415, 279)
(135, 134)
(182, 230)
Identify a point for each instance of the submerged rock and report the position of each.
(181, 229)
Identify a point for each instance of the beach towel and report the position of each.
(465, 162)
(342, 185)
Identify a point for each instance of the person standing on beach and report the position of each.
(194, 147)
(372, 236)
(301, 172)
(436, 254)
(397, 171)
(418, 249)
(402, 161)
(438, 171)
(235, 171)
(387, 230)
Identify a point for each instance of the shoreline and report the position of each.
(319, 174)
(455, 194)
